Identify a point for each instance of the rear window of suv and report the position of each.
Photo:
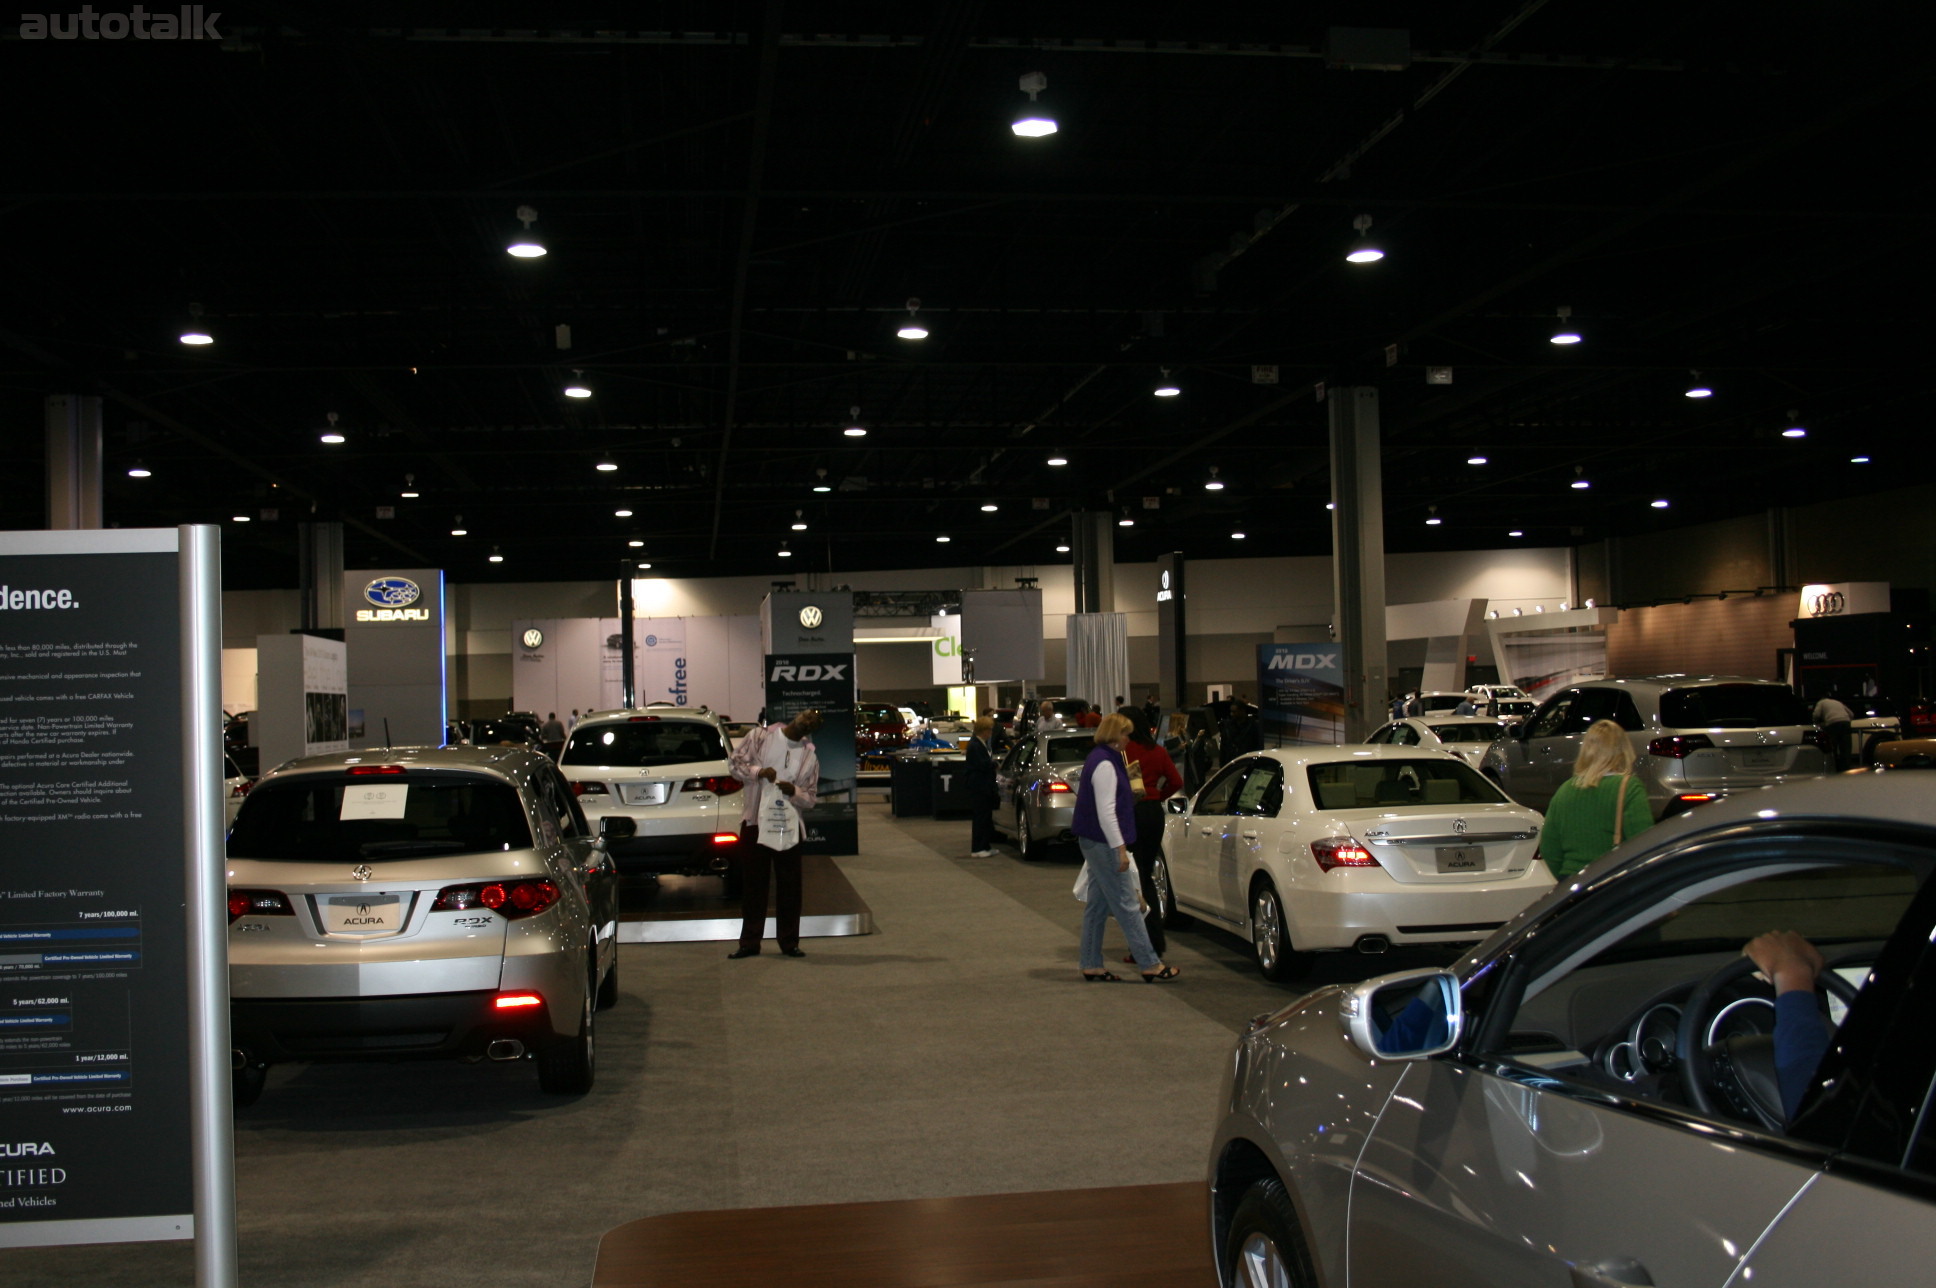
(1731, 706)
(640, 744)
(301, 820)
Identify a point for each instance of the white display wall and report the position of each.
(576, 664)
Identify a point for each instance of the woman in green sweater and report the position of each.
(1601, 806)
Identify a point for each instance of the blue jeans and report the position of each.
(1111, 894)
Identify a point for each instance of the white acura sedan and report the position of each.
(1315, 849)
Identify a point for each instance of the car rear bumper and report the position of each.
(1318, 918)
(426, 1026)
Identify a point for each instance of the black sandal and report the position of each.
(1167, 973)
(1103, 977)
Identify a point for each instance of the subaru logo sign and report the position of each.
(392, 592)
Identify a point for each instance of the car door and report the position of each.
(1007, 771)
(1250, 829)
(1524, 1161)
(1539, 762)
(1198, 842)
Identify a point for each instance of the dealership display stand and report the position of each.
(692, 909)
(1137, 1236)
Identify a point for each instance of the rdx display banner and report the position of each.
(799, 681)
(95, 1117)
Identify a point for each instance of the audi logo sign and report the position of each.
(1829, 604)
(1843, 599)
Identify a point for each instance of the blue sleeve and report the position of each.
(1801, 1037)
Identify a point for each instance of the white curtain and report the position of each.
(1098, 666)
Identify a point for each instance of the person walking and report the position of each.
(1602, 805)
(1152, 712)
(1178, 739)
(1838, 722)
(1241, 732)
(1104, 827)
(774, 758)
(553, 730)
(1151, 770)
(983, 793)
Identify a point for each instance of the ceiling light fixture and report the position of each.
(241, 518)
(1125, 521)
(784, 553)
(944, 540)
(1166, 387)
(1565, 333)
(410, 492)
(1475, 460)
(821, 484)
(644, 566)
(1658, 503)
(635, 545)
(139, 471)
(457, 528)
(1364, 250)
(621, 514)
(854, 428)
(1236, 536)
(1432, 519)
(1062, 550)
(1580, 483)
(194, 332)
(1033, 123)
(990, 508)
(799, 523)
(525, 243)
(605, 464)
(912, 328)
(495, 556)
(1795, 427)
(1057, 458)
(1515, 533)
(332, 435)
(1697, 387)
(578, 388)
(1213, 483)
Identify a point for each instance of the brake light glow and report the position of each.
(718, 784)
(242, 788)
(1341, 852)
(589, 789)
(725, 838)
(259, 903)
(386, 771)
(509, 899)
(1679, 746)
(1057, 785)
(1697, 798)
(640, 719)
(514, 1001)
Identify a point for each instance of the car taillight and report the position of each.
(725, 838)
(509, 899)
(259, 903)
(1341, 852)
(1679, 746)
(516, 1001)
(589, 789)
(385, 771)
(1691, 799)
(1057, 785)
(721, 785)
(242, 788)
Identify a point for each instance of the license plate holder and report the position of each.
(1760, 758)
(644, 793)
(377, 913)
(1461, 858)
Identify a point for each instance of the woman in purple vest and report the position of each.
(1105, 826)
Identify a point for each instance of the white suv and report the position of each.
(666, 768)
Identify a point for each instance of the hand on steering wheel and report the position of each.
(1718, 1087)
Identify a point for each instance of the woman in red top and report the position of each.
(1160, 778)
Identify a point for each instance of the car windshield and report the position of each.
(637, 744)
(1064, 751)
(1731, 706)
(1483, 731)
(306, 820)
(498, 731)
(1441, 701)
(1391, 784)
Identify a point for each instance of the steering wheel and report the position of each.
(1735, 1077)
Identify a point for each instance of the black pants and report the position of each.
(981, 828)
(1149, 847)
(758, 866)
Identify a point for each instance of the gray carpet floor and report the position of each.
(954, 1051)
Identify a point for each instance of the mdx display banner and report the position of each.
(797, 682)
(1301, 693)
(95, 1082)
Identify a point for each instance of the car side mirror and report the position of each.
(617, 827)
(1408, 1015)
(1177, 804)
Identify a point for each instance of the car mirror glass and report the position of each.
(1404, 1016)
(1178, 804)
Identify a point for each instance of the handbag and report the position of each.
(1620, 811)
(779, 821)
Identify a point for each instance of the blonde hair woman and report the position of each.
(1105, 828)
(1601, 806)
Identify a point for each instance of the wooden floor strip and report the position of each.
(1141, 1236)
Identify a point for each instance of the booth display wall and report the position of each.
(302, 691)
(1734, 636)
(688, 661)
(396, 662)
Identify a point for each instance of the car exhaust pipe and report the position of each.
(1372, 945)
(505, 1049)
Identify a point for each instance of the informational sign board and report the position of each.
(798, 682)
(112, 998)
(1300, 693)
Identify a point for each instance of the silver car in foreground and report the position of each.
(419, 903)
(1037, 781)
(1591, 1097)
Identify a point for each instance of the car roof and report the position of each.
(1891, 796)
(704, 715)
(1449, 720)
(1672, 681)
(505, 762)
(1296, 757)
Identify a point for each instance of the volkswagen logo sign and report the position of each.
(1830, 604)
(393, 592)
(533, 637)
(811, 617)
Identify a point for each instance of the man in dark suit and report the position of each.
(982, 790)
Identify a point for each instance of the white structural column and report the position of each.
(1358, 542)
(73, 462)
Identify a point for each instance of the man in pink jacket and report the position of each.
(778, 757)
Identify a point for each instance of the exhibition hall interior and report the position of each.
(1382, 401)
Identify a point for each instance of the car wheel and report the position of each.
(608, 987)
(1270, 944)
(567, 1066)
(1265, 1247)
(246, 1083)
(1159, 875)
(1025, 843)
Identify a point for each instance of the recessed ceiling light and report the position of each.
(1062, 550)
(821, 487)
(1858, 460)
(460, 532)
(525, 243)
(495, 556)
(605, 465)
(990, 508)
(1659, 504)
(139, 471)
(1236, 536)
(621, 514)
(635, 544)
(1125, 522)
(241, 518)
(644, 566)
(1058, 459)
(1475, 460)
(1434, 521)
(331, 436)
(944, 539)
(785, 553)
(1515, 533)
(410, 494)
